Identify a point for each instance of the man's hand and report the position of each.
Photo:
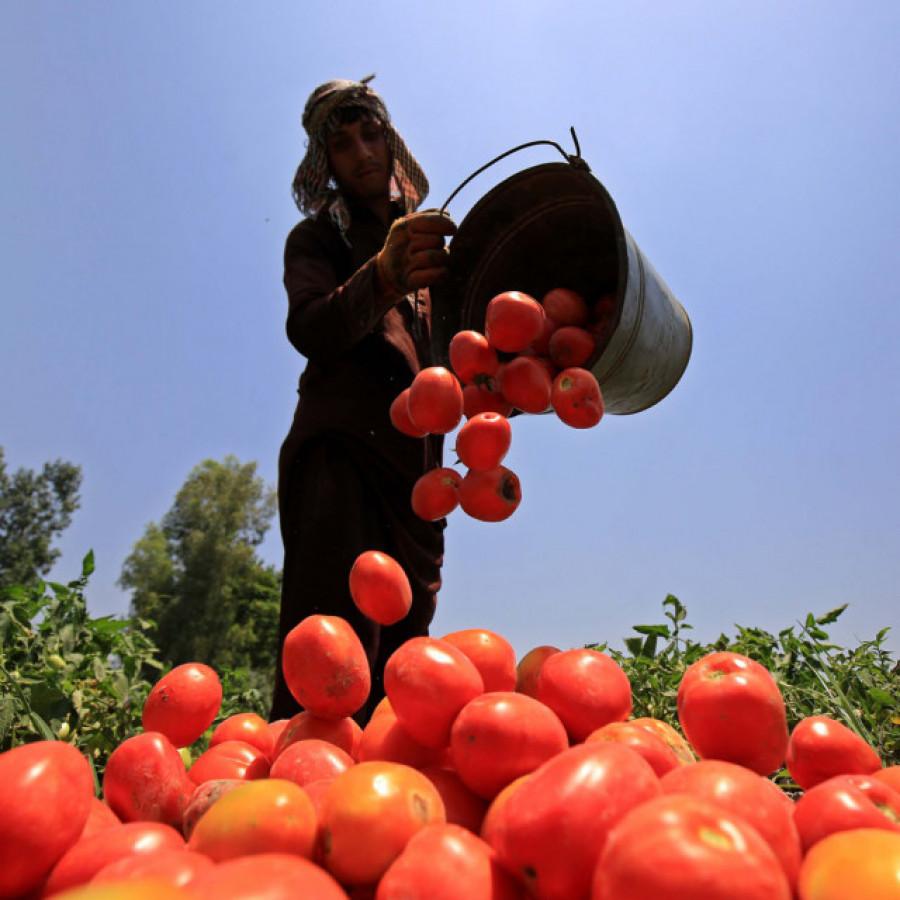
(414, 255)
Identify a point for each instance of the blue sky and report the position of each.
(751, 149)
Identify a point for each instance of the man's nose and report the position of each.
(361, 148)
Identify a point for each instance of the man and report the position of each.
(355, 270)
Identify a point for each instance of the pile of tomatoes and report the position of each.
(478, 776)
(531, 358)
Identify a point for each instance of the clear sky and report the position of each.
(751, 148)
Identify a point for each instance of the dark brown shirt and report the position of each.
(360, 353)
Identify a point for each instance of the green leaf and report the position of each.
(7, 717)
(87, 565)
(832, 616)
(43, 729)
(108, 625)
(881, 697)
(658, 630)
(649, 648)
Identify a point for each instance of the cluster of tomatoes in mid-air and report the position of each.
(532, 357)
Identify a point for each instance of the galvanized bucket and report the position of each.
(555, 225)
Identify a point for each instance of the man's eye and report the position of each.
(370, 135)
(339, 145)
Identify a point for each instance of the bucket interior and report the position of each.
(546, 227)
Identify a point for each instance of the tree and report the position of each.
(34, 509)
(197, 575)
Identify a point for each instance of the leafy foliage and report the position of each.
(197, 577)
(34, 509)
(857, 685)
(67, 675)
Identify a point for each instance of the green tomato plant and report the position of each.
(857, 685)
(67, 675)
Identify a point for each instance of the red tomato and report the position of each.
(399, 413)
(670, 735)
(820, 747)
(45, 800)
(428, 681)
(760, 802)
(685, 847)
(379, 587)
(844, 802)
(436, 494)
(501, 735)
(493, 655)
(325, 666)
(343, 733)
(601, 330)
(385, 739)
(490, 496)
(478, 398)
(232, 760)
(277, 727)
(565, 307)
(493, 814)
(731, 708)
(586, 689)
(385, 802)
(571, 346)
(604, 307)
(528, 669)
(202, 799)
(512, 321)
(551, 830)
(249, 727)
(462, 806)
(310, 760)
(446, 862)
(890, 775)
(176, 867)
(862, 863)
(150, 887)
(183, 703)
(576, 398)
(527, 384)
(315, 790)
(643, 741)
(86, 858)
(472, 358)
(267, 876)
(435, 402)
(483, 441)
(145, 780)
(548, 364)
(266, 816)
(541, 344)
(100, 817)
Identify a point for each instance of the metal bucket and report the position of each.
(555, 225)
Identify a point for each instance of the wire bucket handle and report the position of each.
(574, 159)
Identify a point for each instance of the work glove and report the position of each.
(414, 255)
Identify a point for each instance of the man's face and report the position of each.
(360, 159)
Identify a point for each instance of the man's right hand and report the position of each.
(414, 255)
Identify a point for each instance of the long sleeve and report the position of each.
(327, 315)
(361, 349)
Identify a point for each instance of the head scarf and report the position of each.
(314, 188)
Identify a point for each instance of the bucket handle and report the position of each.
(574, 160)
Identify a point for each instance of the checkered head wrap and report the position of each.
(314, 188)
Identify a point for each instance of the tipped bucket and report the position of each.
(555, 225)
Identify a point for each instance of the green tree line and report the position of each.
(195, 577)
